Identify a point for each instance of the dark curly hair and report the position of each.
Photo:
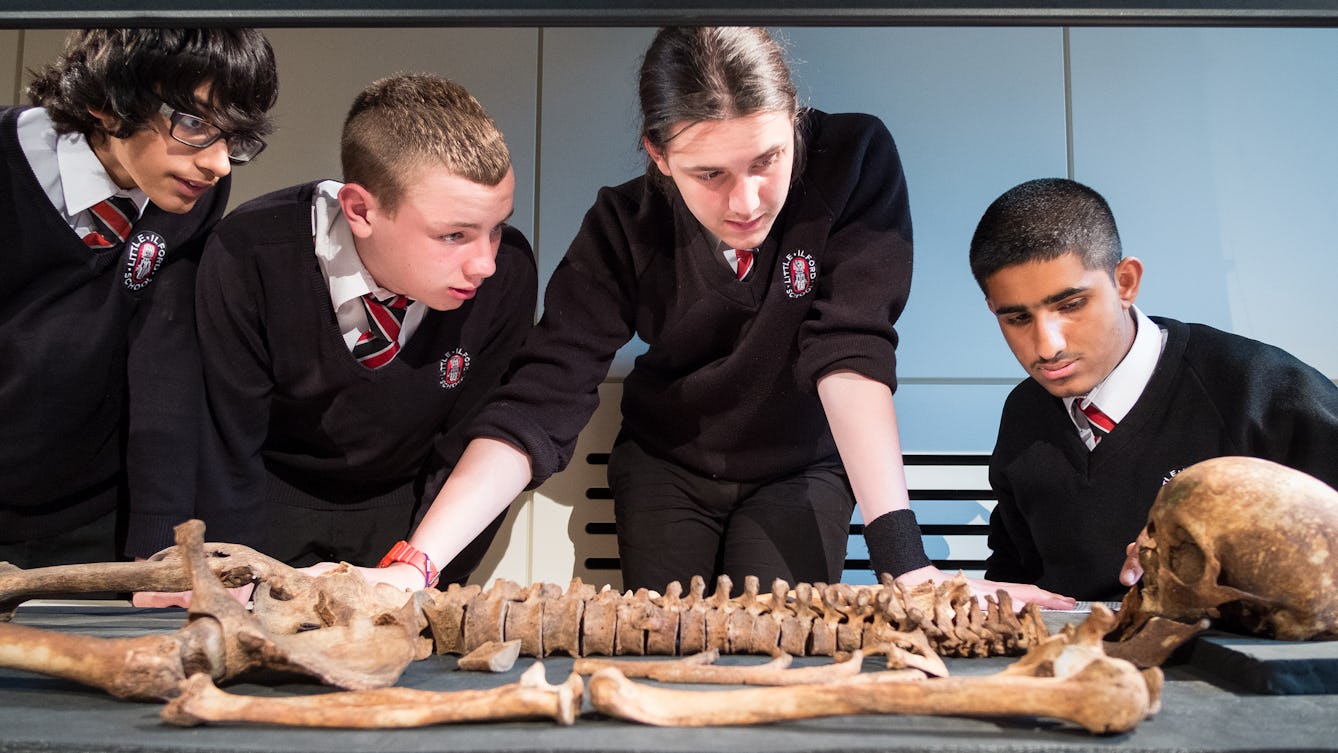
(129, 73)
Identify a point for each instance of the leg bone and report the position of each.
(530, 698)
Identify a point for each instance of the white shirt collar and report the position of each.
(1118, 392)
(337, 253)
(70, 173)
(345, 275)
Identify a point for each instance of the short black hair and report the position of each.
(130, 73)
(1041, 220)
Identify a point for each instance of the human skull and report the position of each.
(1249, 543)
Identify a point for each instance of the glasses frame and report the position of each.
(174, 117)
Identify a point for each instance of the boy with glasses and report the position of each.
(108, 187)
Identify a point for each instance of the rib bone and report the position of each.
(699, 669)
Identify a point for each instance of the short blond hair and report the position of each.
(404, 123)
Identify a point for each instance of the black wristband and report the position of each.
(894, 542)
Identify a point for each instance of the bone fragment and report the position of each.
(907, 650)
(589, 666)
(532, 697)
(1156, 639)
(491, 657)
(700, 670)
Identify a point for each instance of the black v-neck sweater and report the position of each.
(100, 390)
(1065, 514)
(727, 385)
(295, 417)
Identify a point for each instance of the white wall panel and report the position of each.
(1216, 150)
(322, 70)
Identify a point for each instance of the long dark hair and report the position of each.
(130, 73)
(696, 73)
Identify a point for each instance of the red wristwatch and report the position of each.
(405, 552)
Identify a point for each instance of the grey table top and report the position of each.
(39, 713)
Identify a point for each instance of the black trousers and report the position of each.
(673, 523)
(98, 541)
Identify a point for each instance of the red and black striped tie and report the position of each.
(114, 218)
(745, 261)
(1101, 423)
(378, 345)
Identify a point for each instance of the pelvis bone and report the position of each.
(222, 640)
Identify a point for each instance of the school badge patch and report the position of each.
(144, 255)
(453, 369)
(801, 269)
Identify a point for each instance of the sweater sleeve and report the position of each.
(865, 277)
(238, 386)
(166, 396)
(588, 309)
(510, 323)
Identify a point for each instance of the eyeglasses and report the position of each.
(195, 131)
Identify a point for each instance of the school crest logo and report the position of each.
(801, 269)
(1170, 475)
(453, 369)
(144, 256)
